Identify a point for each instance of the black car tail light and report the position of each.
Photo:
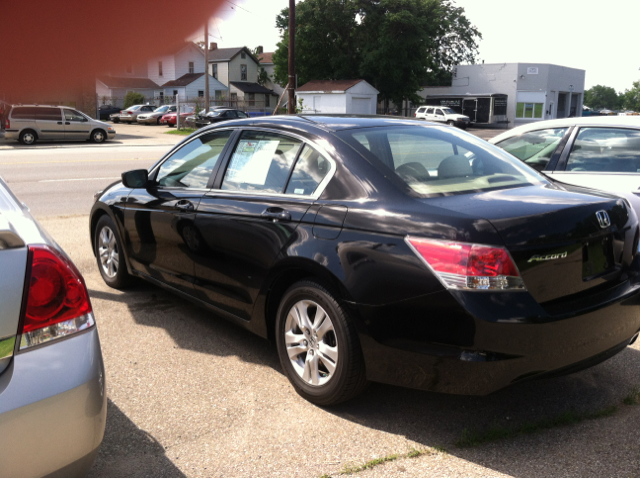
(468, 266)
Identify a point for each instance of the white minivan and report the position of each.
(443, 115)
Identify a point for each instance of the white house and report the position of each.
(191, 86)
(112, 90)
(338, 96)
(266, 62)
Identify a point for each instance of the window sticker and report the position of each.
(251, 161)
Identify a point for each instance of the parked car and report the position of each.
(156, 115)
(129, 115)
(218, 115)
(373, 249)
(115, 117)
(170, 118)
(105, 112)
(30, 123)
(600, 152)
(53, 404)
(442, 115)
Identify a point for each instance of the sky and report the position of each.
(598, 37)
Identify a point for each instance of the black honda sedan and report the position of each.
(219, 115)
(377, 249)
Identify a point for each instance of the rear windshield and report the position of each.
(436, 161)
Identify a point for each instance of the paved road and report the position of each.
(193, 395)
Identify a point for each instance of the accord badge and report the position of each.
(547, 257)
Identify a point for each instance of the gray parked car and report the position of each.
(30, 123)
(129, 115)
(156, 115)
(53, 404)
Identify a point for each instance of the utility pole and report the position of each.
(292, 48)
(206, 68)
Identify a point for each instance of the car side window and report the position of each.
(72, 115)
(535, 147)
(309, 171)
(439, 113)
(191, 166)
(613, 150)
(430, 111)
(261, 162)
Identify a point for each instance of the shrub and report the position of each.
(132, 98)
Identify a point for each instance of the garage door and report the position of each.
(361, 106)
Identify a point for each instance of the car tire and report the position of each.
(28, 137)
(116, 120)
(322, 360)
(98, 136)
(110, 254)
(158, 121)
(451, 123)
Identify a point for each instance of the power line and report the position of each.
(242, 8)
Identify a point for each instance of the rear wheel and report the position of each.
(318, 345)
(159, 120)
(28, 137)
(109, 254)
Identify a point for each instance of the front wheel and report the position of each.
(318, 345)
(98, 136)
(109, 253)
(451, 123)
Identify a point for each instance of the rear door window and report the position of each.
(261, 162)
(607, 150)
(535, 148)
(311, 168)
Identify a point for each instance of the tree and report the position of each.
(599, 97)
(630, 99)
(133, 98)
(263, 76)
(396, 45)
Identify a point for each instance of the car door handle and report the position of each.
(185, 205)
(277, 214)
(67, 123)
(59, 123)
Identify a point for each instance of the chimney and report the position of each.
(259, 49)
(213, 46)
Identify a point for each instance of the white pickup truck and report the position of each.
(443, 115)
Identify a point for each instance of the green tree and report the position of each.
(396, 45)
(599, 97)
(133, 98)
(630, 99)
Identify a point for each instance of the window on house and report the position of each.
(267, 100)
(200, 93)
(251, 97)
(161, 97)
(214, 70)
(243, 72)
(191, 68)
(175, 92)
(159, 68)
(529, 110)
(243, 55)
(234, 97)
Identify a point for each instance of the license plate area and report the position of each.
(597, 257)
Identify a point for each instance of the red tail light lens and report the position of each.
(468, 266)
(57, 299)
(7, 124)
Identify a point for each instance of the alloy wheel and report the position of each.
(108, 252)
(310, 339)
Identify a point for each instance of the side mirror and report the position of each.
(135, 178)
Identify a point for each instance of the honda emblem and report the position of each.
(603, 219)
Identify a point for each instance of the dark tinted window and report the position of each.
(615, 150)
(242, 114)
(311, 168)
(261, 162)
(191, 166)
(36, 113)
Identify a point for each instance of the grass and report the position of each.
(413, 453)
(6, 348)
(633, 398)
(182, 131)
(470, 438)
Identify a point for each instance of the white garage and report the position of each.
(354, 97)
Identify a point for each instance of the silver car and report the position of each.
(53, 404)
(30, 123)
(156, 115)
(129, 115)
(601, 152)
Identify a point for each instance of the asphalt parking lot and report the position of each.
(190, 394)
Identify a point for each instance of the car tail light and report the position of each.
(468, 266)
(57, 302)
(7, 124)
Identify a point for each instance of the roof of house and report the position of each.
(328, 85)
(249, 87)
(124, 82)
(184, 80)
(266, 57)
(227, 54)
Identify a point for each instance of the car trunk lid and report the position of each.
(565, 241)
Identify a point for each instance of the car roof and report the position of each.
(606, 121)
(330, 122)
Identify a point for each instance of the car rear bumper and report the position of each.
(11, 134)
(53, 408)
(449, 343)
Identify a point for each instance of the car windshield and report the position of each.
(161, 109)
(134, 107)
(448, 111)
(216, 113)
(435, 161)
